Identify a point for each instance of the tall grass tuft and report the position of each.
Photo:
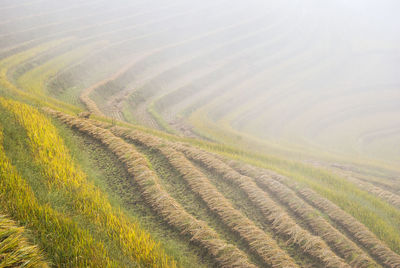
(15, 250)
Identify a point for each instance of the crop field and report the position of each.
(199, 134)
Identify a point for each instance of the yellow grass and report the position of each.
(58, 167)
(15, 250)
(58, 235)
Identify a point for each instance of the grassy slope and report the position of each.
(320, 180)
(380, 217)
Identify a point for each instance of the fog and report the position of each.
(316, 73)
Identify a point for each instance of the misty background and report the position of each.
(316, 73)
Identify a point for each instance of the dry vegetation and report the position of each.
(281, 222)
(357, 230)
(296, 199)
(226, 255)
(257, 240)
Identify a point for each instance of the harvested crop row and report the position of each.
(257, 240)
(35, 79)
(357, 230)
(389, 197)
(364, 236)
(88, 102)
(85, 95)
(281, 222)
(62, 239)
(14, 60)
(225, 254)
(15, 250)
(58, 167)
(319, 226)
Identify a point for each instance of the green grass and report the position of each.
(71, 95)
(222, 133)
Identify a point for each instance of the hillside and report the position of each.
(195, 134)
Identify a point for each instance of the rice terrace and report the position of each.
(182, 133)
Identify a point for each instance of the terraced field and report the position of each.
(199, 134)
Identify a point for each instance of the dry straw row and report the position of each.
(343, 246)
(385, 195)
(88, 102)
(85, 95)
(225, 254)
(357, 230)
(280, 221)
(258, 240)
